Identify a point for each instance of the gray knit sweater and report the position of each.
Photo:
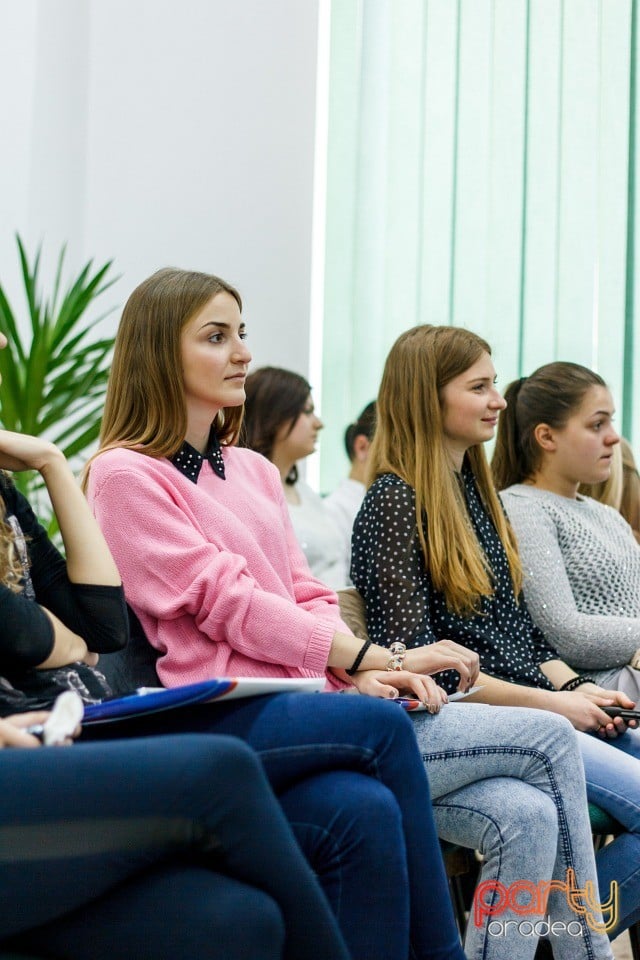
(582, 577)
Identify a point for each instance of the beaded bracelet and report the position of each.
(398, 652)
(576, 682)
(358, 660)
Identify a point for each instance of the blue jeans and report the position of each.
(173, 848)
(509, 782)
(348, 774)
(612, 772)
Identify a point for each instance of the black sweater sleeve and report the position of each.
(96, 613)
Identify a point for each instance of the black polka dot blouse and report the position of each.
(388, 569)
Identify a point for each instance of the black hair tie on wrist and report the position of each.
(358, 660)
(576, 682)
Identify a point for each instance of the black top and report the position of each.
(96, 613)
(388, 569)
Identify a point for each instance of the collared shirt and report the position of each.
(189, 461)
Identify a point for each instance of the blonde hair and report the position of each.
(409, 441)
(11, 569)
(622, 488)
(630, 499)
(145, 407)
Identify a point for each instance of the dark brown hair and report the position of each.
(550, 395)
(365, 425)
(274, 398)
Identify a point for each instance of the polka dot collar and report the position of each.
(189, 461)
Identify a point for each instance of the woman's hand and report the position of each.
(582, 708)
(12, 729)
(390, 684)
(445, 655)
(596, 693)
(19, 451)
(607, 698)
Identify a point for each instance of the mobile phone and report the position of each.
(622, 712)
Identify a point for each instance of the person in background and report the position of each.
(630, 501)
(580, 558)
(280, 422)
(171, 848)
(345, 501)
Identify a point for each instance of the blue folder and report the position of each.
(155, 699)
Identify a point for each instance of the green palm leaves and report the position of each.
(54, 375)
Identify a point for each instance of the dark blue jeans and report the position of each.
(173, 848)
(350, 779)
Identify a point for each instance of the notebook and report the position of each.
(155, 699)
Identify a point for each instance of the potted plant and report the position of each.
(54, 371)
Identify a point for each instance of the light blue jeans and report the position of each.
(612, 773)
(509, 783)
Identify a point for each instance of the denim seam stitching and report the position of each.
(557, 798)
(496, 825)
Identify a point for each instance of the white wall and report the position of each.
(161, 132)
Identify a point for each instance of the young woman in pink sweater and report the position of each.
(201, 534)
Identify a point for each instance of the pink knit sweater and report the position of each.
(213, 570)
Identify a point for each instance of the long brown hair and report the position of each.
(550, 395)
(409, 441)
(145, 407)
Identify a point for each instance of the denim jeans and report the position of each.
(174, 848)
(612, 772)
(508, 782)
(348, 774)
